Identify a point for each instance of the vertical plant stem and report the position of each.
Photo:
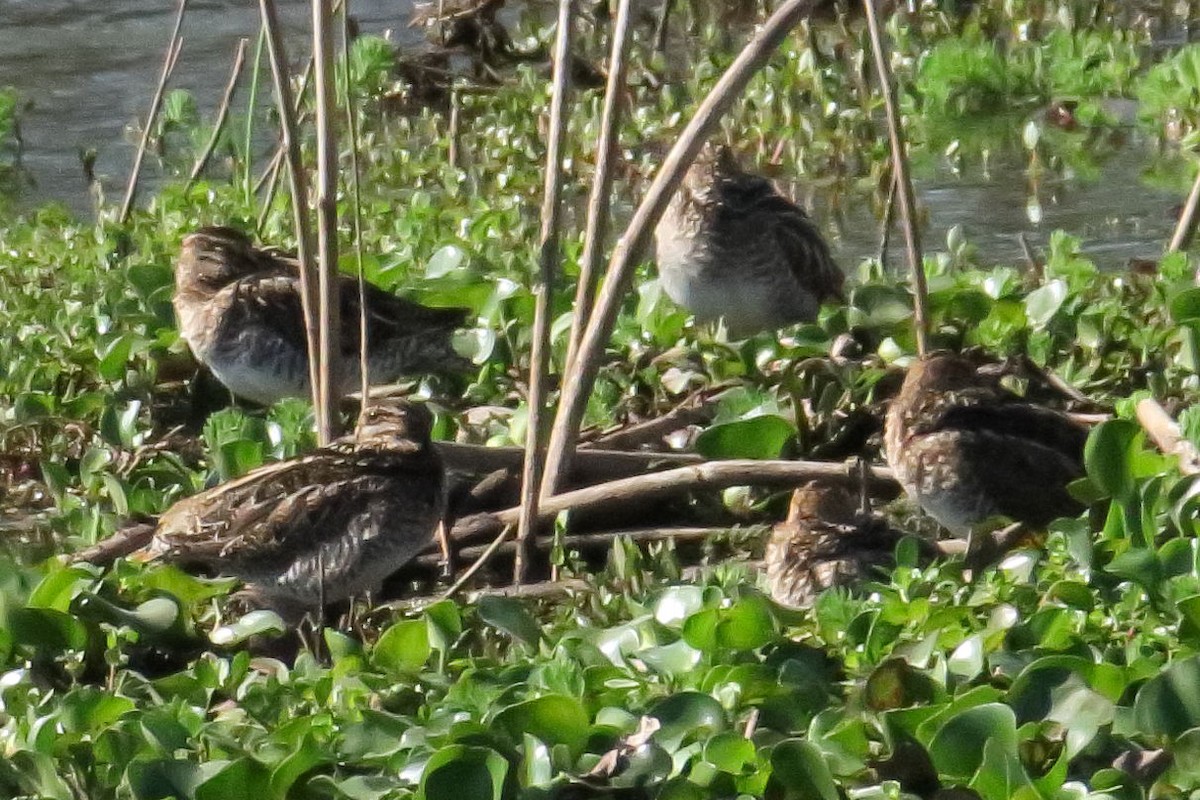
(455, 122)
(1186, 226)
(908, 205)
(598, 202)
(543, 289)
(581, 375)
(885, 227)
(174, 45)
(356, 204)
(298, 181)
(239, 60)
(326, 202)
(248, 136)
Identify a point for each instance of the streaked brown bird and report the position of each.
(825, 541)
(321, 527)
(729, 245)
(965, 449)
(240, 310)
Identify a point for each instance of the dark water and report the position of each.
(90, 67)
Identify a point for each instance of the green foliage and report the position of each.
(1030, 680)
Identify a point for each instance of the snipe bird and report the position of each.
(965, 449)
(240, 310)
(825, 541)
(321, 527)
(729, 245)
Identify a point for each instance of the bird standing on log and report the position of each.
(322, 527)
(730, 246)
(240, 310)
(965, 449)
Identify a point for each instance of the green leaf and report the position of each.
(958, 747)
(403, 647)
(554, 719)
(760, 437)
(746, 625)
(51, 632)
(509, 615)
(261, 621)
(687, 714)
(460, 771)
(243, 779)
(1108, 456)
(1043, 303)
(799, 768)
(1169, 703)
(1185, 305)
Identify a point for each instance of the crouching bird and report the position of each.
(240, 309)
(322, 527)
(730, 246)
(827, 541)
(965, 449)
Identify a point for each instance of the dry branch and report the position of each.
(908, 205)
(1165, 434)
(696, 409)
(709, 475)
(174, 45)
(1186, 226)
(543, 290)
(581, 373)
(239, 60)
(298, 179)
(596, 229)
(329, 328)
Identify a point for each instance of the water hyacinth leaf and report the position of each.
(45, 630)
(760, 437)
(1001, 776)
(170, 778)
(687, 714)
(896, 684)
(730, 752)
(1185, 305)
(403, 647)
(343, 650)
(59, 588)
(967, 659)
(259, 622)
(957, 748)
(1108, 456)
(1169, 703)
(553, 719)
(1043, 303)
(747, 625)
(460, 771)
(308, 755)
(509, 615)
(443, 262)
(799, 769)
(677, 603)
(242, 779)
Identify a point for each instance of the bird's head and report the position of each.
(385, 423)
(214, 256)
(714, 164)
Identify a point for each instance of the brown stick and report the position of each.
(596, 229)
(329, 329)
(543, 291)
(482, 559)
(581, 374)
(885, 227)
(908, 204)
(593, 463)
(1186, 226)
(298, 180)
(455, 123)
(696, 409)
(1165, 434)
(709, 475)
(174, 45)
(364, 373)
(239, 59)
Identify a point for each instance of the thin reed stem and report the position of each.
(174, 46)
(543, 291)
(239, 60)
(908, 203)
(329, 328)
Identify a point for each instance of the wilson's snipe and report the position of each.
(240, 309)
(324, 526)
(965, 449)
(730, 245)
(825, 541)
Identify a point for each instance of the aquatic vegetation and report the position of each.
(1068, 670)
